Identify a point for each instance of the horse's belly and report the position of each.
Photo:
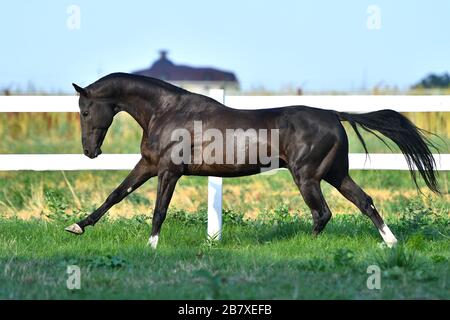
(226, 170)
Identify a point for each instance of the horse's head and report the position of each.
(96, 116)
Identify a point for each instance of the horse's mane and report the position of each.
(120, 80)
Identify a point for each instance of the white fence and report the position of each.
(41, 162)
(362, 103)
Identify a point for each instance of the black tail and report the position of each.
(410, 139)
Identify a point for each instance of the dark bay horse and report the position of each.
(312, 144)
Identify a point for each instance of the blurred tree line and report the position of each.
(434, 81)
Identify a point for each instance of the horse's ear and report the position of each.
(80, 90)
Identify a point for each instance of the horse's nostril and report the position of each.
(86, 152)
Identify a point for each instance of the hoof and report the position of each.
(153, 242)
(75, 229)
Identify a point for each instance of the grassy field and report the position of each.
(267, 250)
(275, 259)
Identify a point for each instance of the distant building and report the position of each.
(194, 79)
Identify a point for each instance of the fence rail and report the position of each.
(75, 162)
(355, 104)
(362, 103)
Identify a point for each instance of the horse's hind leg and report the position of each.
(307, 175)
(350, 190)
(312, 194)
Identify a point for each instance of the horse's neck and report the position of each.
(139, 109)
(137, 112)
(139, 102)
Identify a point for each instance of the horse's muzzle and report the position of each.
(94, 154)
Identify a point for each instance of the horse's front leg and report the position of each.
(140, 174)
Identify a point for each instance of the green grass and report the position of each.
(272, 256)
(259, 259)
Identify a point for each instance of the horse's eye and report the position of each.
(85, 113)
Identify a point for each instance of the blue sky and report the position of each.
(319, 45)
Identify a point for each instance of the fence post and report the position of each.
(215, 189)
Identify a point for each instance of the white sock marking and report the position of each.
(153, 241)
(388, 236)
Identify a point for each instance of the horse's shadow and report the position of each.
(287, 231)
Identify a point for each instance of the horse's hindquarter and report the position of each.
(311, 136)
